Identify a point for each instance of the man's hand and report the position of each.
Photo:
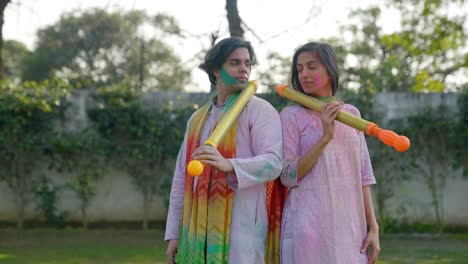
(172, 251)
(211, 156)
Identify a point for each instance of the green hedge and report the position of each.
(143, 140)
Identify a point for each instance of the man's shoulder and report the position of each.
(259, 100)
(194, 113)
(256, 101)
(260, 108)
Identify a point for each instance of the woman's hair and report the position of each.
(218, 54)
(326, 55)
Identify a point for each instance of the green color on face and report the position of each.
(227, 78)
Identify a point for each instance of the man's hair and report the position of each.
(326, 55)
(218, 54)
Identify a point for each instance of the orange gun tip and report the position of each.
(390, 138)
(401, 144)
(280, 88)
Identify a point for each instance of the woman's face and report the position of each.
(313, 75)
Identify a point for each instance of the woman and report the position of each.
(328, 215)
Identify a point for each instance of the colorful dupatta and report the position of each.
(207, 210)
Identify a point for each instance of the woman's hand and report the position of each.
(372, 241)
(211, 156)
(328, 115)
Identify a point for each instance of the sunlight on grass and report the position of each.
(5, 256)
(460, 236)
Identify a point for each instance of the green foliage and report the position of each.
(14, 53)
(28, 115)
(47, 198)
(140, 140)
(421, 56)
(79, 153)
(369, 63)
(96, 48)
(277, 72)
(433, 39)
(167, 24)
(438, 142)
(433, 156)
(461, 135)
(392, 226)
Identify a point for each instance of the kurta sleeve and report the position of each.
(367, 174)
(176, 199)
(265, 133)
(291, 152)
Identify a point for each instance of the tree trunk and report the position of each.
(234, 19)
(214, 37)
(436, 195)
(3, 5)
(84, 217)
(146, 204)
(141, 68)
(20, 207)
(18, 185)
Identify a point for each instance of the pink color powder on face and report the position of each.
(318, 80)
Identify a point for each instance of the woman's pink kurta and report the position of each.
(324, 217)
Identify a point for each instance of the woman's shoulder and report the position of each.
(298, 115)
(292, 110)
(351, 109)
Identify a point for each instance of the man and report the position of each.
(221, 216)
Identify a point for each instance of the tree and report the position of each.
(369, 64)
(277, 71)
(141, 140)
(14, 53)
(419, 57)
(3, 5)
(434, 39)
(27, 114)
(96, 48)
(80, 154)
(433, 135)
(461, 135)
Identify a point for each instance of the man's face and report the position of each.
(235, 71)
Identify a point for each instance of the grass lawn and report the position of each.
(83, 247)
(131, 246)
(406, 249)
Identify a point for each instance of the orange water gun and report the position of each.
(388, 137)
(196, 167)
